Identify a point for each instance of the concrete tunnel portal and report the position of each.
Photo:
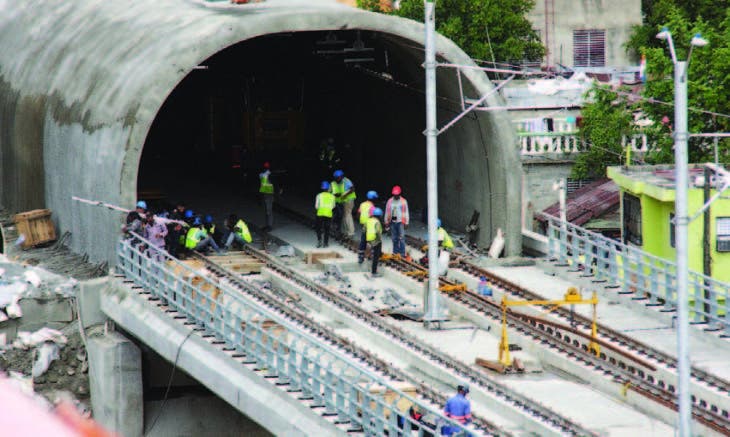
(238, 89)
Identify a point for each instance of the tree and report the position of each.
(708, 80)
(606, 120)
(484, 29)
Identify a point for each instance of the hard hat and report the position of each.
(325, 185)
(463, 387)
(189, 213)
(197, 221)
(438, 223)
(338, 174)
(209, 219)
(266, 164)
(142, 204)
(396, 190)
(376, 212)
(372, 195)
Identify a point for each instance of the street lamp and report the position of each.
(681, 224)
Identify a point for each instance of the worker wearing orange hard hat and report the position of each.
(397, 219)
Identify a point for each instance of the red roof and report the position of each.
(588, 202)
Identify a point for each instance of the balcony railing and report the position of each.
(543, 143)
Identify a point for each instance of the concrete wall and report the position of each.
(616, 17)
(539, 174)
(81, 83)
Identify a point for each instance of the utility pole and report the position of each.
(432, 310)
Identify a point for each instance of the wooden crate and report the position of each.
(389, 396)
(238, 262)
(36, 226)
(317, 257)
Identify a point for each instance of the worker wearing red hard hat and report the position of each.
(397, 219)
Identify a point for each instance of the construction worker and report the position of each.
(135, 221)
(457, 408)
(344, 192)
(444, 239)
(266, 188)
(155, 232)
(179, 212)
(328, 154)
(324, 204)
(198, 239)
(374, 238)
(237, 231)
(363, 212)
(397, 219)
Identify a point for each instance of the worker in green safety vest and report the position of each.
(324, 204)
(236, 232)
(266, 189)
(364, 211)
(374, 238)
(198, 239)
(444, 239)
(344, 191)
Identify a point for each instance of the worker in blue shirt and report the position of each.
(458, 408)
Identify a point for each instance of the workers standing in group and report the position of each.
(374, 238)
(364, 211)
(266, 188)
(324, 204)
(237, 231)
(344, 192)
(457, 408)
(397, 218)
(198, 239)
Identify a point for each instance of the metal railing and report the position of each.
(274, 345)
(541, 143)
(649, 278)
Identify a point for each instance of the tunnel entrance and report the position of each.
(283, 98)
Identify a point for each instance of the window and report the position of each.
(723, 234)
(632, 219)
(589, 48)
(672, 231)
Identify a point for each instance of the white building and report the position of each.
(586, 33)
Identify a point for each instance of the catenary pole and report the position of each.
(682, 222)
(432, 311)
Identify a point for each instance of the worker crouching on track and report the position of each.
(457, 408)
(198, 239)
(364, 211)
(374, 238)
(324, 204)
(236, 232)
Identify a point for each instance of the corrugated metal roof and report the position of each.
(588, 202)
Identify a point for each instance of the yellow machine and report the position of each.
(572, 297)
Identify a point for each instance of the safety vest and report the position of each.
(373, 229)
(444, 237)
(325, 203)
(266, 186)
(365, 208)
(211, 229)
(339, 188)
(194, 236)
(243, 231)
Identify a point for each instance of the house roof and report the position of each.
(588, 202)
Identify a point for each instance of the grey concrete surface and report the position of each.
(115, 374)
(52, 311)
(88, 295)
(82, 82)
(248, 392)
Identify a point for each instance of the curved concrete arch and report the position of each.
(81, 83)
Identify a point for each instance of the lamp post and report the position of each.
(680, 228)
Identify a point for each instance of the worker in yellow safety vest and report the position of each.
(266, 189)
(324, 204)
(364, 211)
(444, 239)
(344, 191)
(237, 232)
(374, 238)
(198, 239)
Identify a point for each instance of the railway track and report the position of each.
(623, 359)
(474, 376)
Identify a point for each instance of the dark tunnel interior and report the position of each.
(281, 98)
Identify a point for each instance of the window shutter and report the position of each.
(589, 48)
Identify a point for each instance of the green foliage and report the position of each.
(605, 121)
(370, 5)
(466, 22)
(708, 79)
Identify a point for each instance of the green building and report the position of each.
(647, 213)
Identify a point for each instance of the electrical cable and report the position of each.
(169, 382)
